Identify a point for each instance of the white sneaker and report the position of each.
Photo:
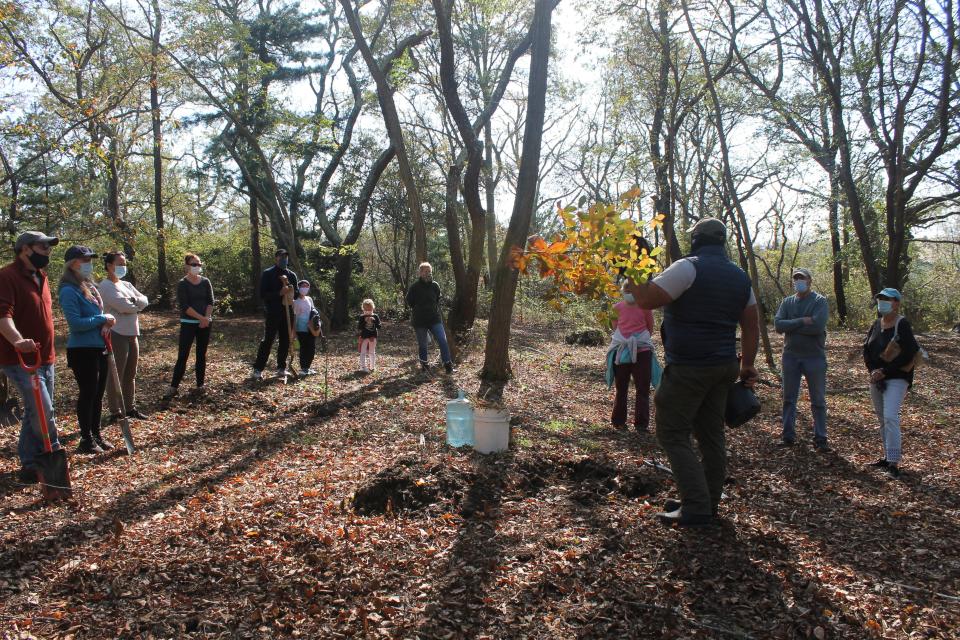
(310, 372)
(283, 373)
(257, 375)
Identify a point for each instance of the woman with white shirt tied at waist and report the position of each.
(122, 299)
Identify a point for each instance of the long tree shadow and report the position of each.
(457, 599)
(211, 470)
(825, 505)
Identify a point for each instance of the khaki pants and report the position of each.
(691, 401)
(126, 351)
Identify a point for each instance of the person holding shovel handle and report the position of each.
(122, 299)
(26, 324)
(83, 309)
(278, 283)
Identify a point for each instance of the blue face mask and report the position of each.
(283, 263)
(628, 298)
(800, 286)
(884, 307)
(86, 269)
(120, 271)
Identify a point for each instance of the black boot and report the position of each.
(87, 445)
(27, 475)
(105, 445)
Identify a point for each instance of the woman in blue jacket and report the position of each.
(86, 356)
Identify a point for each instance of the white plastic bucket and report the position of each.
(491, 430)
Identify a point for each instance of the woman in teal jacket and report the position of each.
(86, 355)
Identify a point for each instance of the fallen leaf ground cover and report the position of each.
(270, 510)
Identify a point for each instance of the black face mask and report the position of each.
(38, 260)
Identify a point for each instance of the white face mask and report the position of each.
(195, 270)
(86, 269)
(120, 271)
(304, 291)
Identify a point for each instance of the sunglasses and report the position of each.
(194, 264)
(886, 299)
(799, 277)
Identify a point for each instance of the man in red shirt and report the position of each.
(26, 324)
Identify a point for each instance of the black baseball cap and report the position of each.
(78, 251)
(281, 252)
(709, 229)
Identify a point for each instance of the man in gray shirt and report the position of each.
(802, 319)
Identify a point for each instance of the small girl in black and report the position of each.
(368, 323)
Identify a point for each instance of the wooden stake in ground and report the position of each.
(291, 328)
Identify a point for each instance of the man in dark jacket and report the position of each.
(424, 299)
(706, 296)
(277, 316)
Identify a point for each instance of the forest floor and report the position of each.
(236, 518)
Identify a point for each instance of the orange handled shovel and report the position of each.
(53, 469)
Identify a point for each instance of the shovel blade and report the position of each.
(53, 471)
(127, 435)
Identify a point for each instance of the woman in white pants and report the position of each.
(888, 353)
(122, 299)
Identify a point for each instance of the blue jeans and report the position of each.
(887, 404)
(31, 442)
(814, 369)
(439, 335)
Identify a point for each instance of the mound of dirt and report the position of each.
(409, 485)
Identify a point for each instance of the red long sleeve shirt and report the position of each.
(30, 306)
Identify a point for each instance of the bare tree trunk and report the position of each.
(730, 186)
(14, 198)
(490, 187)
(391, 119)
(113, 203)
(163, 280)
(453, 226)
(344, 273)
(464, 308)
(662, 162)
(496, 363)
(256, 257)
(836, 250)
